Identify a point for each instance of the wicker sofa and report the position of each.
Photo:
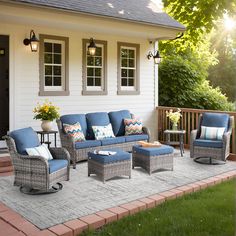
(79, 150)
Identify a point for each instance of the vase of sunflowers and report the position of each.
(46, 113)
(174, 118)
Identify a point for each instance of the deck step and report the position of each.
(6, 174)
(5, 161)
(6, 169)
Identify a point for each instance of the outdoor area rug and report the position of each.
(84, 195)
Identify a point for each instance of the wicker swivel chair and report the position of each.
(211, 151)
(34, 174)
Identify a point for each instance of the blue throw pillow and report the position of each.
(96, 119)
(25, 138)
(117, 121)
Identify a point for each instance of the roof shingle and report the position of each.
(140, 11)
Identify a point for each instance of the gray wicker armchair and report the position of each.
(34, 174)
(208, 151)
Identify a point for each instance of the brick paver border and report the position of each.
(13, 224)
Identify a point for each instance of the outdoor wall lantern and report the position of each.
(33, 41)
(156, 56)
(92, 47)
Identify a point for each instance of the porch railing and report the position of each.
(189, 122)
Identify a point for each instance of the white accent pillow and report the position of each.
(40, 151)
(212, 133)
(103, 132)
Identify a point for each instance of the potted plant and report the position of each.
(46, 113)
(174, 117)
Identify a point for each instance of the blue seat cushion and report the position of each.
(136, 137)
(109, 141)
(215, 120)
(117, 121)
(208, 143)
(88, 143)
(55, 165)
(119, 156)
(153, 151)
(71, 119)
(96, 119)
(25, 138)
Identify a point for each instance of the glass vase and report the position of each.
(174, 126)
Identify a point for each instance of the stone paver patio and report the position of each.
(84, 196)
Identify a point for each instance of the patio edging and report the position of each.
(15, 225)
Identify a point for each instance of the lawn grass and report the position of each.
(207, 212)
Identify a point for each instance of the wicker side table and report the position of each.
(107, 167)
(152, 159)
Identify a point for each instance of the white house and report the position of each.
(119, 76)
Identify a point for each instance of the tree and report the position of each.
(184, 70)
(182, 84)
(199, 16)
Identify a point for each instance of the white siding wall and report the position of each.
(24, 77)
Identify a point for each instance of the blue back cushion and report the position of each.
(25, 138)
(74, 118)
(117, 121)
(96, 119)
(215, 120)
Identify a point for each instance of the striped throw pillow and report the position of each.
(103, 132)
(213, 133)
(133, 126)
(75, 131)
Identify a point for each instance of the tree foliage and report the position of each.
(199, 16)
(182, 84)
(186, 61)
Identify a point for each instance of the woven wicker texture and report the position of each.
(82, 154)
(33, 171)
(216, 153)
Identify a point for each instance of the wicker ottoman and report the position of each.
(107, 167)
(152, 159)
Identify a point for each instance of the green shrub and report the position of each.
(182, 83)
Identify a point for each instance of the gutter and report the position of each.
(91, 14)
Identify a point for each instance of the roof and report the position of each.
(139, 11)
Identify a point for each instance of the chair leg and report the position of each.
(31, 191)
(74, 164)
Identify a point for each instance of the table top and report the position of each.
(46, 132)
(170, 131)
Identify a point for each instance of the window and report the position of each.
(53, 65)
(128, 69)
(94, 69)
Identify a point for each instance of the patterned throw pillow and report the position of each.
(75, 131)
(103, 132)
(213, 133)
(133, 126)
